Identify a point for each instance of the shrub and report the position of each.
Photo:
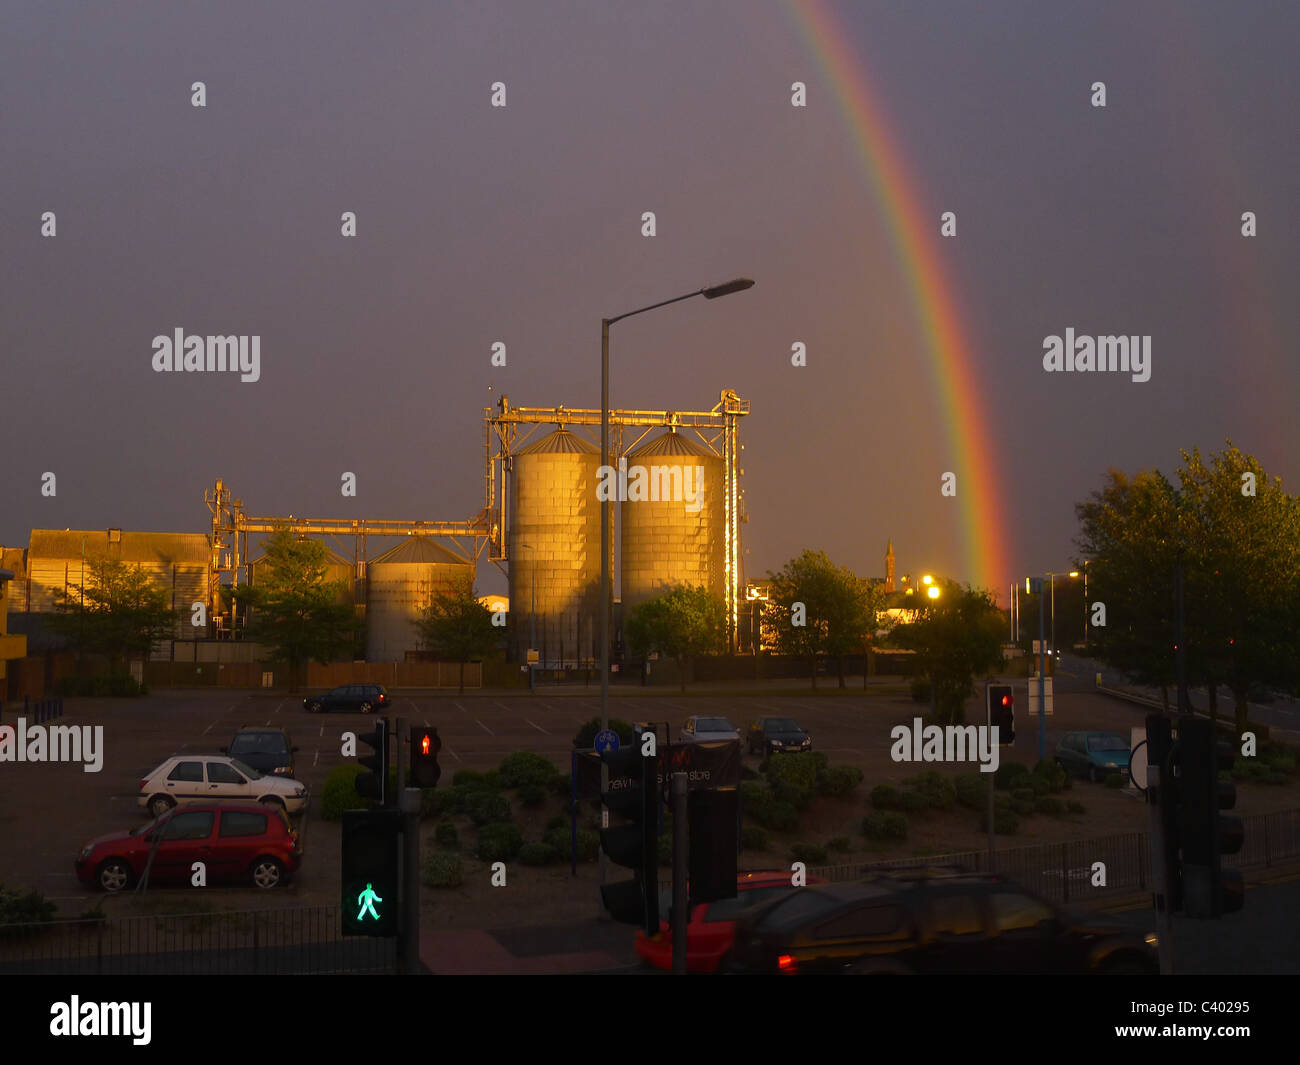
(532, 795)
(526, 767)
(840, 843)
(914, 801)
(560, 784)
(487, 807)
(939, 791)
(499, 842)
(1115, 780)
(442, 870)
(1055, 776)
(840, 781)
(1008, 774)
(1035, 783)
(1005, 822)
(886, 797)
(972, 790)
(794, 777)
(432, 802)
(558, 821)
(538, 854)
(586, 736)
(29, 908)
(1023, 793)
(588, 843)
(920, 690)
(755, 795)
(809, 853)
(1050, 805)
(1020, 807)
(445, 835)
(753, 838)
(885, 826)
(779, 817)
(340, 792)
(1075, 807)
(468, 778)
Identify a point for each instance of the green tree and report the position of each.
(837, 610)
(456, 627)
(956, 637)
(119, 610)
(298, 614)
(682, 623)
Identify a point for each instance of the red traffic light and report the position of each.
(424, 744)
(1007, 700)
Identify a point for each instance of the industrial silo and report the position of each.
(554, 546)
(399, 584)
(673, 520)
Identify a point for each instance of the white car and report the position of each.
(700, 728)
(204, 777)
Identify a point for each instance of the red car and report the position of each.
(711, 930)
(238, 842)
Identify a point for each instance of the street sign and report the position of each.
(606, 740)
(533, 657)
(1033, 694)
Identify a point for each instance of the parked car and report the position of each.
(1092, 754)
(362, 698)
(701, 729)
(711, 929)
(237, 842)
(775, 735)
(268, 750)
(186, 778)
(931, 922)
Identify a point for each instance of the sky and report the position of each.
(523, 224)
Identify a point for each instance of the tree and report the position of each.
(294, 610)
(456, 627)
(956, 637)
(682, 623)
(119, 610)
(817, 607)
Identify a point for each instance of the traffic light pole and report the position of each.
(408, 940)
(681, 859)
(1159, 877)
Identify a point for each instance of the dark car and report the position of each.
(362, 698)
(931, 923)
(238, 842)
(1094, 755)
(711, 929)
(775, 735)
(268, 750)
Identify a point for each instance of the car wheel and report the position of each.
(364, 708)
(113, 875)
(266, 873)
(314, 708)
(160, 804)
(271, 800)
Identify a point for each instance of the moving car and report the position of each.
(1094, 755)
(362, 698)
(236, 842)
(702, 729)
(711, 929)
(774, 735)
(931, 922)
(186, 778)
(268, 750)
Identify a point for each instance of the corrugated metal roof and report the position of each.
(670, 443)
(156, 547)
(560, 442)
(419, 549)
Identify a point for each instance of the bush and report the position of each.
(445, 835)
(588, 843)
(920, 690)
(29, 908)
(840, 843)
(487, 807)
(1075, 807)
(753, 838)
(1008, 775)
(885, 826)
(441, 870)
(1053, 775)
(432, 802)
(532, 795)
(586, 736)
(1023, 793)
(558, 821)
(340, 792)
(886, 797)
(938, 791)
(755, 795)
(538, 854)
(499, 842)
(1050, 805)
(779, 817)
(526, 767)
(972, 790)
(794, 777)
(841, 781)
(560, 784)
(809, 853)
(1020, 807)
(1005, 822)
(1115, 780)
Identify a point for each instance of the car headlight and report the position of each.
(1110, 765)
(85, 852)
(1150, 939)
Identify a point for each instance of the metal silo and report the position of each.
(674, 535)
(554, 548)
(399, 585)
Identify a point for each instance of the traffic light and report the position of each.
(1167, 798)
(633, 793)
(374, 785)
(370, 884)
(425, 746)
(713, 816)
(1000, 702)
(1209, 890)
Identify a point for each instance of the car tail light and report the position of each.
(786, 964)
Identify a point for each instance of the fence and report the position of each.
(282, 942)
(34, 713)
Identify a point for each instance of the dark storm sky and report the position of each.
(523, 225)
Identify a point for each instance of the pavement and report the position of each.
(585, 947)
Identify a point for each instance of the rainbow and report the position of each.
(914, 231)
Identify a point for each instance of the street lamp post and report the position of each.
(1085, 603)
(740, 284)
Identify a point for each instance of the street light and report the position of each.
(532, 615)
(712, 292)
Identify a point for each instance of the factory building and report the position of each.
(399, 585)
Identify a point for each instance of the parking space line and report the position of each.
(317, 758)
(484, 727)
(452, 753)
(537, 727)
(460, 708)
(278, 706)
(414, 709)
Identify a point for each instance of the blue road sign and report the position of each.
(606, 740)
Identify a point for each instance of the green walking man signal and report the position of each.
(366, 900)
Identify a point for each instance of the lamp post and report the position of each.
(740, 284)
(532, 614)
(1085, 603)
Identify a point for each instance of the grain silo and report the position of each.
(554, 549)
(673, 520)
(400, 583)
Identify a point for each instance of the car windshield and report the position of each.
(1106, 743)
(781, 724)
(259, 743)
(713, 724)
(789, 913)
(246, 769)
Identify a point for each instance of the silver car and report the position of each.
(702, 729)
